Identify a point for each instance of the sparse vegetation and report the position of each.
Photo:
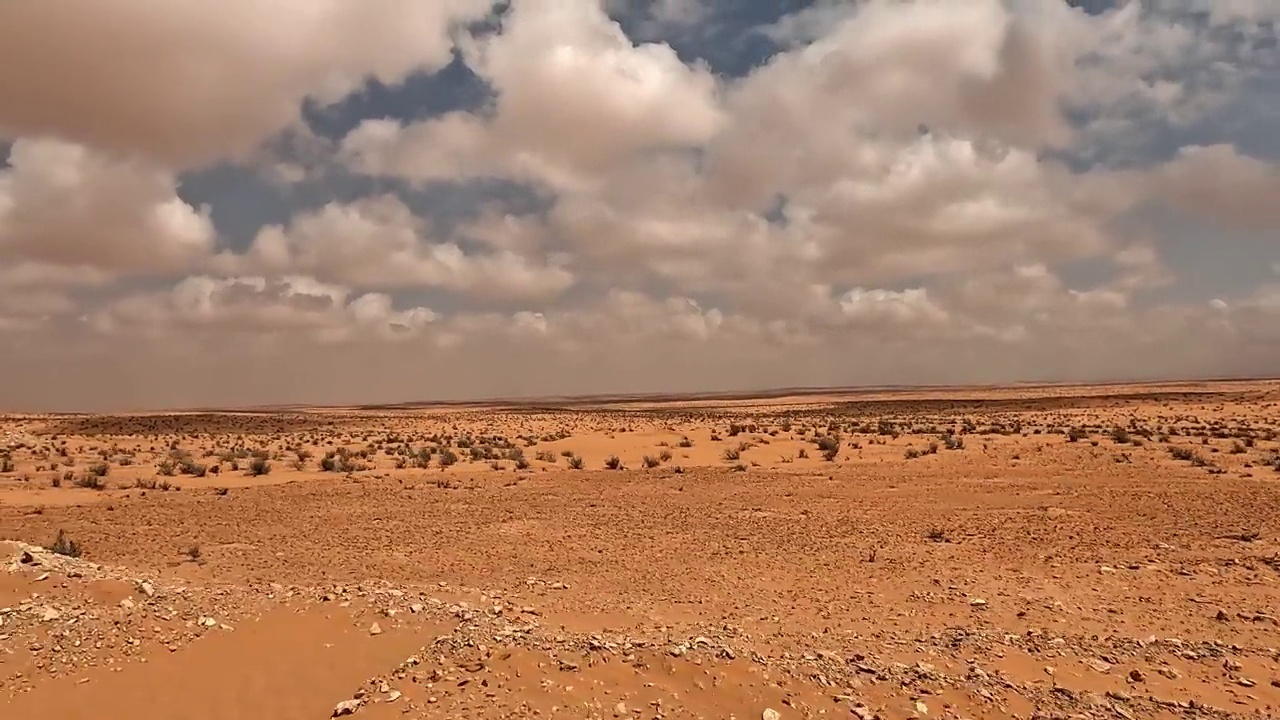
(91, 482)
(1187, 454)
(64, 545)
(829, 445)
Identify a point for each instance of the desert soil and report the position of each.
(1052, 552)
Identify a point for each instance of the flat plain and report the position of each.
(1020, 552)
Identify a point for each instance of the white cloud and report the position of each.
(1219, 182)
(909, 191)
(67, 205)
(575, 98)
(379, 243)
(187, 81)
(263, 310)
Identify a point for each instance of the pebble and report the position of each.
(770, 714)
(375, 629)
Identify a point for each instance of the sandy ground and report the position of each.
(1061, 552)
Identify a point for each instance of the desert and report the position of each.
(1023, 552)
(640, 359)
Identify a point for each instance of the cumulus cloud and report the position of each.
(284, 310)
(899, 191)
(1219, 182)
(68, 205)
(185, 81)
(552, 66)
(380, 243)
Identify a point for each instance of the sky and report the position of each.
(256, 202)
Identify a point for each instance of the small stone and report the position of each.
(147, 589)
(50, 615)
(375, 629)
(127, 604)
(208, 622)
(394, 695)
(620, 709)
(1100, 666)
(346, 707)
(1245, 682)
(770, 714)
(977, 602)
(921, 708)
(1136, 675)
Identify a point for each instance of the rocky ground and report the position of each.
(1099, 554)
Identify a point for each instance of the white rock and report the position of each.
(375, 629)
(770, 714)
(347, 707)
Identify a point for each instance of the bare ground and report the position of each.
(1024, 552)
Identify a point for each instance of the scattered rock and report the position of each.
(375, 629)
(770, 714)
(346, 707)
